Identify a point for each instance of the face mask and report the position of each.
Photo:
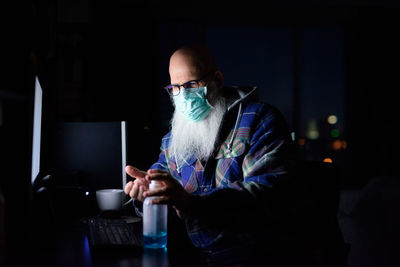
(192, 103)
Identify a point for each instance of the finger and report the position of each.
(134, 191)
(142, 186)
(128, 187)
(161, 200)
(155, 171)
(143, 182)
(134, 172)
(157, 192)
(140, 194)
(159, 176)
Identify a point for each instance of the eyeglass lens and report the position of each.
(175, 89)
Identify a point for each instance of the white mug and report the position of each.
(110, 199)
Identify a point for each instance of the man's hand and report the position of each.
(135, 189)
(171, 191)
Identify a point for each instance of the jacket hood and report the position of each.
(239, 94)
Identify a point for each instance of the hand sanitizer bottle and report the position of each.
(154, 221)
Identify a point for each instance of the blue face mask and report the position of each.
(193, 104)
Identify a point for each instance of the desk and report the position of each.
(72, 249)
(69, 247)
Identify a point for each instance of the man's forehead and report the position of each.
(183, 59)
(183, 66)
(181, 75)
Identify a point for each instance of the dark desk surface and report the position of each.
(63, 242)
(71, 248)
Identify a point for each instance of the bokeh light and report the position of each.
(301, 141)
(312, 131)
(336, 145)
(332, 119)
(335, 133)
(344, 144)
(339, 144)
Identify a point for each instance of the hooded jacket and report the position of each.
(233, 191)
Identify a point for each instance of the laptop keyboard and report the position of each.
(113, 232)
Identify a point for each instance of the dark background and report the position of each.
(108, 61)
(102, 61)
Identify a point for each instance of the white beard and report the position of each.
(196, 138)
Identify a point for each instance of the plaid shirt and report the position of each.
(252, 152)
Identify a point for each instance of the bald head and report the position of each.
(190, 63)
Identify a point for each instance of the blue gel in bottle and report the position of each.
(154, 222)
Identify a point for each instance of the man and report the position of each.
(222, 159)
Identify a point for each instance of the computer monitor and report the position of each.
(37, 131)
(90, 155)
(25, 197)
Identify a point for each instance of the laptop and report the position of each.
(124, 231)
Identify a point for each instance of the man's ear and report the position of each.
(219, 78)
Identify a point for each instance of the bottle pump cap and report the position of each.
(154, 185)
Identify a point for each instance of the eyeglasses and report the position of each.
(175, 89)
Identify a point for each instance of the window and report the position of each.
(261, 57)
(298, 70)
